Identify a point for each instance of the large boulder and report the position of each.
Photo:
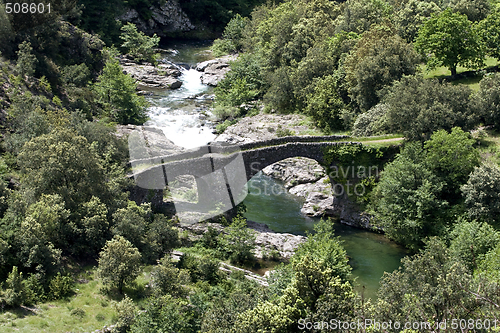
(163, 76)
(214, 70)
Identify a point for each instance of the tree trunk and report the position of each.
(453, 70)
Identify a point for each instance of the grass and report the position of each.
(86, 311)
(489, 145)
(472, 82)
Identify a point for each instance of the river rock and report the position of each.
(165, 19)
(163, 76)
(265, 127)
(214, 70)
(266, 241)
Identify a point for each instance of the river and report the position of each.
(182, 115)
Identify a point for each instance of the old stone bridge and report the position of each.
(221, 171)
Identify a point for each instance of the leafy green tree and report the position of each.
(50, 213)
(427, 287)
(471, 241)
(37, 252)
(476, 10)
(231, 40)
(223, 313)
(360, 15)
(412, 15)
(487, 99)
(131, 223)
(117, 91)
(64, 163)
(119, 263)
(165, 279)
(407, 199)
(491, 264)
(419, 107)
(160, 238)
(449, 39)
(452, 157)
(239, 241)
(482, 193)
(95, 225)
(339, 301)
(317, 262)
(324, 104)
(379, 58)
(138, 45)
(489, 30)
(26, 60)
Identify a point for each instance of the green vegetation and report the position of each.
(350, 66)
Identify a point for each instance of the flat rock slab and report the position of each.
(215, 70)
(163, 76)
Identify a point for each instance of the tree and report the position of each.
(487, 99)
(117, 91)
(489, 30)
(26, 61)
(360, 15)
(471, 241)
(476, 10)
(131, 223)
(449, 39)
(119, 263)
(406, 200)
(231, 40)
(419, 107)
(379, 58)
(317, 262)
(165, 279)
(452, 157)
(427, 287)
(482, 193)
(239, 241)
(412, 15)
(63, 163)
(324, 104)
(137, 44)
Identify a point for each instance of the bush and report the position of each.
(60, 286)
(126, 311)
(487, 99)
(231, 41)
(138, 45)
(372, 122)
(481, 193)
(419, 107)
(26, 61)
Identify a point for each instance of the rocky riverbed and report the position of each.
(266, 242)
(147, 76)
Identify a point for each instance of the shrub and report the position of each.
(231, 41)
(60, 286)
(137, 44)
(372, 122)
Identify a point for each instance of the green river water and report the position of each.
(370, 254)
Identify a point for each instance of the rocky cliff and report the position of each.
(166, 19)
